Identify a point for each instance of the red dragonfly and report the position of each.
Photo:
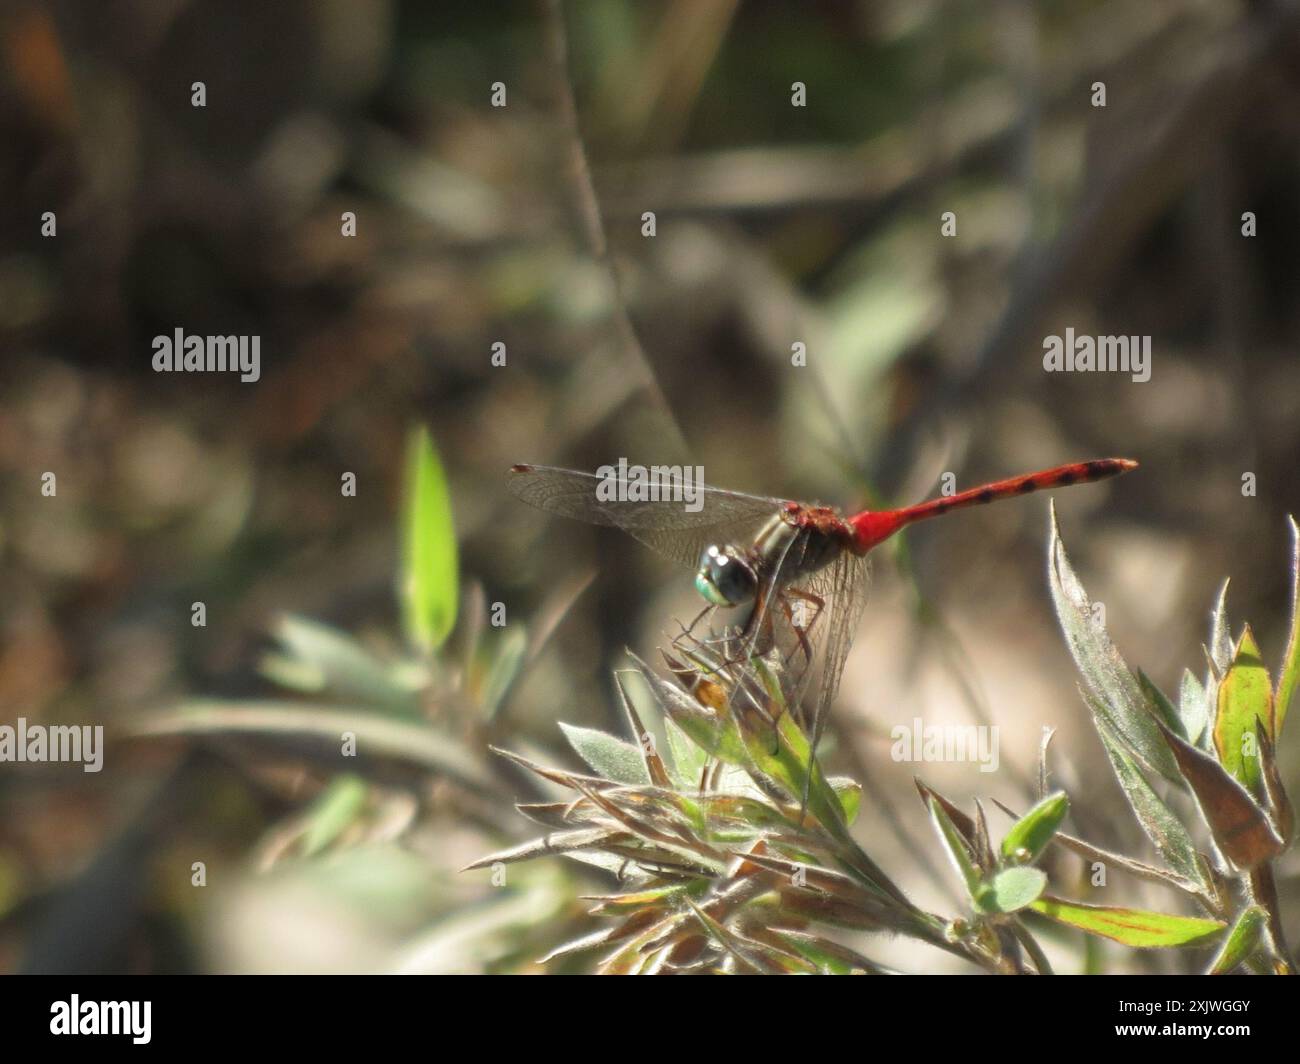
(786, 562)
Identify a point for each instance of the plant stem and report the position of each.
(1032, 947)
(1263, 889)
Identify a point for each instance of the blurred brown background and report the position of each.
(775, 224)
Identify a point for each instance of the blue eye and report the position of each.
(724, 578)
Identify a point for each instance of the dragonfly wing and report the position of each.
(677, 528)
(812, 648)
(845, 584)
(813, 621)
(808, 622)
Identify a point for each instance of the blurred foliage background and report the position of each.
(775, 224)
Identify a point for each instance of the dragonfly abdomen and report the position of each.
(872, 527)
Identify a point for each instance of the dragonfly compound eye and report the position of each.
(724, 577)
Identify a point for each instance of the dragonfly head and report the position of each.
(725, 578)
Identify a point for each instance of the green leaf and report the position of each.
(510, 654)
(1159, 701)
(748, 956)
(829, 957)
(1132, 927)
(713, 732)
(610, 757)
(1118, 700)
(849, 792)
(1240, 942)
(964, 824)
(787, 760)
(955, 845)
(688, 759)
(1166, 831)
(1043, 744)
(1193, 708)
(1289, 675)
(428, 586)
(324, 727)
(1275, 796)
(319, 658)
(1245, 696)
(333, 812)
(644, 740)
(1011, 889)
(1220, 642)
(1033, 831)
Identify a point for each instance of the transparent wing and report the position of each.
(813, 647)
(813, 620)
(846, 583)
(675, 529)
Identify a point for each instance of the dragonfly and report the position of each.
(796, 574)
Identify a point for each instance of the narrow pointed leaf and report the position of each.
(559, 842)
(1240, 942)
(1289, 674)
(1118, 700)
(428, 586)
(688, 759)
(1279, 804)
(1220, 641)
(323, 659)
(1166, 831)
(337, 808)
(1139, 928)
(955, 846)
(1192, 707)
(964, 824)
(324, 727)
(983, 840)
(655, 768)
(1160, 703)
(1042, 761)
(829, 956)
(747, 957)
(1218, 654)
(849, 792)
(711, 730)
(1245, 696)
(511, 652)
(1033, 831)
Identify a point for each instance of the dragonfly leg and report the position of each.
(687, 630)
(687, 636)
(801, 631)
